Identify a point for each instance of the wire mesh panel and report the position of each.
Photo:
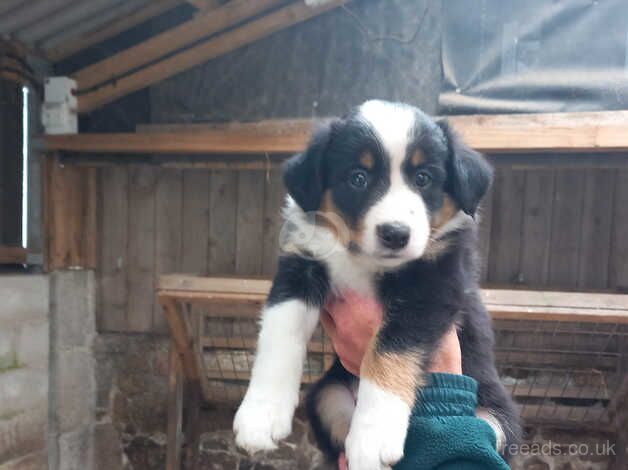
(563, 356)
(562, 372)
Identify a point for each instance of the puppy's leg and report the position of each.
(388, 384)
(288, 321)
(330, 404)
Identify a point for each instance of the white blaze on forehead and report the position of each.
(393, 124)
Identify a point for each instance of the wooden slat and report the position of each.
(575, 300)
(249, 223)
(216, 46)
(273, 202)
(537, 224)
(566, 228)
(196, 219)
(232, 285)
(168, 225)
(12, 255)
(117, 26)
(597, 219)
(141, 248)
(504, 255)
(114, 227)
(70, 216)
(222, 232)
(204, 25)
(618, 265)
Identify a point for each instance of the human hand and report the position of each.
(352, 320)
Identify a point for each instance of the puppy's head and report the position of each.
(392, 175)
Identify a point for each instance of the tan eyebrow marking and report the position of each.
(367, 160)
(417, 158)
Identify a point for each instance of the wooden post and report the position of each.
(175, 406)
(70, 219)
(192, 430)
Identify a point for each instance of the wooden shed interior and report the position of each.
(170, 197)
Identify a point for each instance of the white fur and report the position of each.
(378, 429)
(394, 125)
(400, 204)
(346, 270)
(265, 415)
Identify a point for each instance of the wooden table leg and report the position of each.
(175, 406)
(192, 428)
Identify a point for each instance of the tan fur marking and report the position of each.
(445, 213)
(367, 160)
(397, 373)
(417, 158)
(327, 205)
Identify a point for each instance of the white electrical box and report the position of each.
(58, 111)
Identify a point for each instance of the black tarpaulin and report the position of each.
(504, 56)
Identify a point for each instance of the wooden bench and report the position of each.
(192, 303)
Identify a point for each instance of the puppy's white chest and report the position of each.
(346, 273)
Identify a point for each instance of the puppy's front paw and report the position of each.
(378, 430)
(258, 424)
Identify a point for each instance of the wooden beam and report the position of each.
(501, 303)
(108, 30)
(70, 222)
(605, 132)
(205, 4)
(232, 285)
(12, 255)
(228, 141)
(152, 49)
(216, 46)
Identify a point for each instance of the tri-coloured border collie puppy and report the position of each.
(382, 203)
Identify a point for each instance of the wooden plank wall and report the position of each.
(541, 228)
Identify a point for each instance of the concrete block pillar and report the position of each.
(72, 393)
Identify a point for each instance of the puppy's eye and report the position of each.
(358, 179)
(422, 179)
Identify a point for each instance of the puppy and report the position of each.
(382, 202)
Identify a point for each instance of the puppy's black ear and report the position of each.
(304, 175)
(469, 175)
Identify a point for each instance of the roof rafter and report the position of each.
(215, 46)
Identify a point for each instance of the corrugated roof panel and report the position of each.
(28, 13)
(46, 24)
(65, 18)
(93, 23)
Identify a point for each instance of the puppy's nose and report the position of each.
(394, 235)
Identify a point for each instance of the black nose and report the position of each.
(394, 235)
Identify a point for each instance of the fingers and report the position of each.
(342, 462)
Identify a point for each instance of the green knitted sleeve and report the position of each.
(444, 433)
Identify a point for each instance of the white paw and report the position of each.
(259, 425)
(378, 430)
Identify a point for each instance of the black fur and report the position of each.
(299, 278)
(423, 298)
